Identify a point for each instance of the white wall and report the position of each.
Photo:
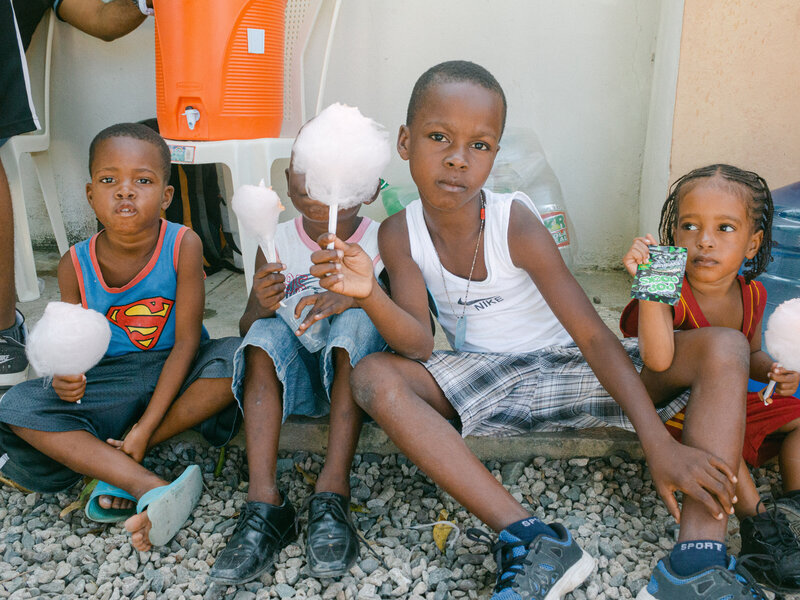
(578, 71)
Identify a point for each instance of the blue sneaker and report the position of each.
(716, 583)
(544, 569)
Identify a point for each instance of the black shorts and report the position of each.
(118, 390)
(17, 113)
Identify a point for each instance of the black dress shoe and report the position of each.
(262, 530)
(332, 542)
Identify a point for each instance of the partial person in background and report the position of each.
(18, 21)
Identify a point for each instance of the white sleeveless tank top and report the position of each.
(505, 312)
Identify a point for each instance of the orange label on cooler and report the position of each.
(556, 223)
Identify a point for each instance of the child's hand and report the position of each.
(785, 381)
(324, 305)
(638, 253)
(268, 285)
(70, 388)
(134, 444)
(696, 473)
(346, 269)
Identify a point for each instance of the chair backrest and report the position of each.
(301, 17)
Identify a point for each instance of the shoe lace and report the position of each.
(250, 516)
(744, 576)
(511, 558)
(337, 511)
(781, 543)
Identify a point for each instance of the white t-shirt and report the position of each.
(294, 249)
(506, 312)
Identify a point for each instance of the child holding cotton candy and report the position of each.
(287, 365)
(158, 374)
(722, 215)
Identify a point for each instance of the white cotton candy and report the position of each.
(258, 208)
(67, 340)
(783, 335)
(343, 155)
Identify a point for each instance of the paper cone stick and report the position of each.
(333, 216)
(268, 248)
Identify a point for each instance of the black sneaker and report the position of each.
(544, 569)
(13, 362)
(331, 539)
(771, 549)
(262, 530)
(715, 583)
(790, 507)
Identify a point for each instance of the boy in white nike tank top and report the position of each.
(465, 244)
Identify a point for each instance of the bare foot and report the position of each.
(139, 527)
(109, 502)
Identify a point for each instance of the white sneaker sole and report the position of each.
(11, 379)
(644, 594)
(574, 576)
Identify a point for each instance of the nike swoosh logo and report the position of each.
(4, 359)
(471, 302)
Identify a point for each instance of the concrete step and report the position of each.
(311, 435)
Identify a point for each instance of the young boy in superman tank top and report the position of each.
(145, 276)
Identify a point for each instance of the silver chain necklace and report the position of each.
(461, 322)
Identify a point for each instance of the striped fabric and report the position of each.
(552, 389)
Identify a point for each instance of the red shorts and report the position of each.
(762, 421)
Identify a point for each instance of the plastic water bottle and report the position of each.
(521, 165)
(782, 279)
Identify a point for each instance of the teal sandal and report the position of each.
(169, 506)
(95, 512)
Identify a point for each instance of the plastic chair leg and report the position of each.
(26, 281)
(45, 171)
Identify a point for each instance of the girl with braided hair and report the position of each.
(722, 215)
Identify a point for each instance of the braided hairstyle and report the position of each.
(759, 208)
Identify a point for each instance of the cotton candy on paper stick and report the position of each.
(343, 155)
(258, 208)
(67, 340)
(783, 340)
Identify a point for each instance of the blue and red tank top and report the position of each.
(142, 312)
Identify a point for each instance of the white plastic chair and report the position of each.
(36, 144)
(250, 161)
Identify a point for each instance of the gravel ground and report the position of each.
(608, 503)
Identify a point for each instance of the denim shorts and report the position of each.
(118, 390)
(306, 378)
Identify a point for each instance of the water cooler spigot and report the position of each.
(192, 116)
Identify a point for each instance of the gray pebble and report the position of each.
(283, 590)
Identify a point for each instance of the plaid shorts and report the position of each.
(551, 389)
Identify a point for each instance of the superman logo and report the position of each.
(143, 320)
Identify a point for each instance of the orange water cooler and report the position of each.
(219, 68)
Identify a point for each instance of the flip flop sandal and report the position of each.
(95, 512)
(169, 506)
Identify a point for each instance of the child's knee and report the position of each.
(725, 347)
(367, 377)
